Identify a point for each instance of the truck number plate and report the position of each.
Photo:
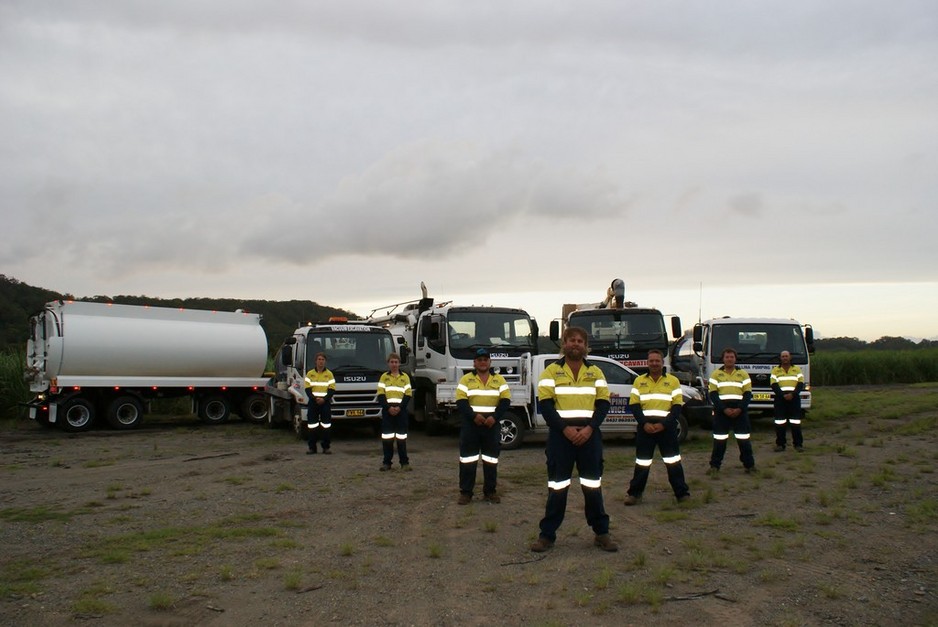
(355, 413)
(761, 396)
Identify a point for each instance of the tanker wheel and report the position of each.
(214, 409)
(125, 412)
(76, 414)
(254, 408)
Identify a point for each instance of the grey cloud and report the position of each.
(437, 198)
(765, 28)
(750, 205)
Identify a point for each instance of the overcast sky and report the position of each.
(723, 158)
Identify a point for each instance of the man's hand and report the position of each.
(490, 422)
(650, 428)
(394, 410)
(320, 400)
(788, 396)
(578, 435)
(479, 420)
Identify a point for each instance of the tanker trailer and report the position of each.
(85, 360)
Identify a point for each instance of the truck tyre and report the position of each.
(214, 409)
(681, 428)
(254, 408)
(76, 414)
(433, 425)
(125, 412)
(299, 422)
(512, 431)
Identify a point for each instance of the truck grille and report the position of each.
(760, 380)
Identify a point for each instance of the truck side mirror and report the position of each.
(286, 355)
(676, 329)
(405, 353)
(555, 330)
(698, 335)
(809, 338)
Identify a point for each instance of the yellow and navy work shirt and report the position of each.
(320, 384)
(394, 387)
(787, 381)
(574, 396)
(483, 398)
(728, 387)
(656, 398)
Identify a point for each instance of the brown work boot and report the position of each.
(464, 498)
(632, 500)
(542, 544)
(606, 543)
(493, 497)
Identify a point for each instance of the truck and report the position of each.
(619, 329)
(356, 353)
(85, 360)
(758, 342)
(440, 340)
(524, 419)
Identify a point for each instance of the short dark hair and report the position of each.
(394, 356)
(655, 351)
(728, 350)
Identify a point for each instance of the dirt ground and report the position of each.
(181, 524)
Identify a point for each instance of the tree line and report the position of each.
(19, 301)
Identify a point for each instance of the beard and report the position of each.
(575, 353)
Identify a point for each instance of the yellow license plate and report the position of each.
(761, 396)
(355, 413)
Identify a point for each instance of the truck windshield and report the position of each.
(758, 343)
(350, 350)
(510, 332)
(616, 329)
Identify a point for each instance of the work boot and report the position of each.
(327, 451)
(682, 498)
(542, 544)
(464, 498)
(632, 500)
(385, 467)
(492, 497)
(800, 449)
(780, 448)
(751, 470)
(606, 543)
(406, 467)
(310, 451)
(713, 471)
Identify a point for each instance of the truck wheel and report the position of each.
(299, 423)
(681, 428)
(76, 414)
(124, 412)
(254, 408)
(432, 425)
(214, 409)
(512, 431)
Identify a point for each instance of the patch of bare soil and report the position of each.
(180, 524)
